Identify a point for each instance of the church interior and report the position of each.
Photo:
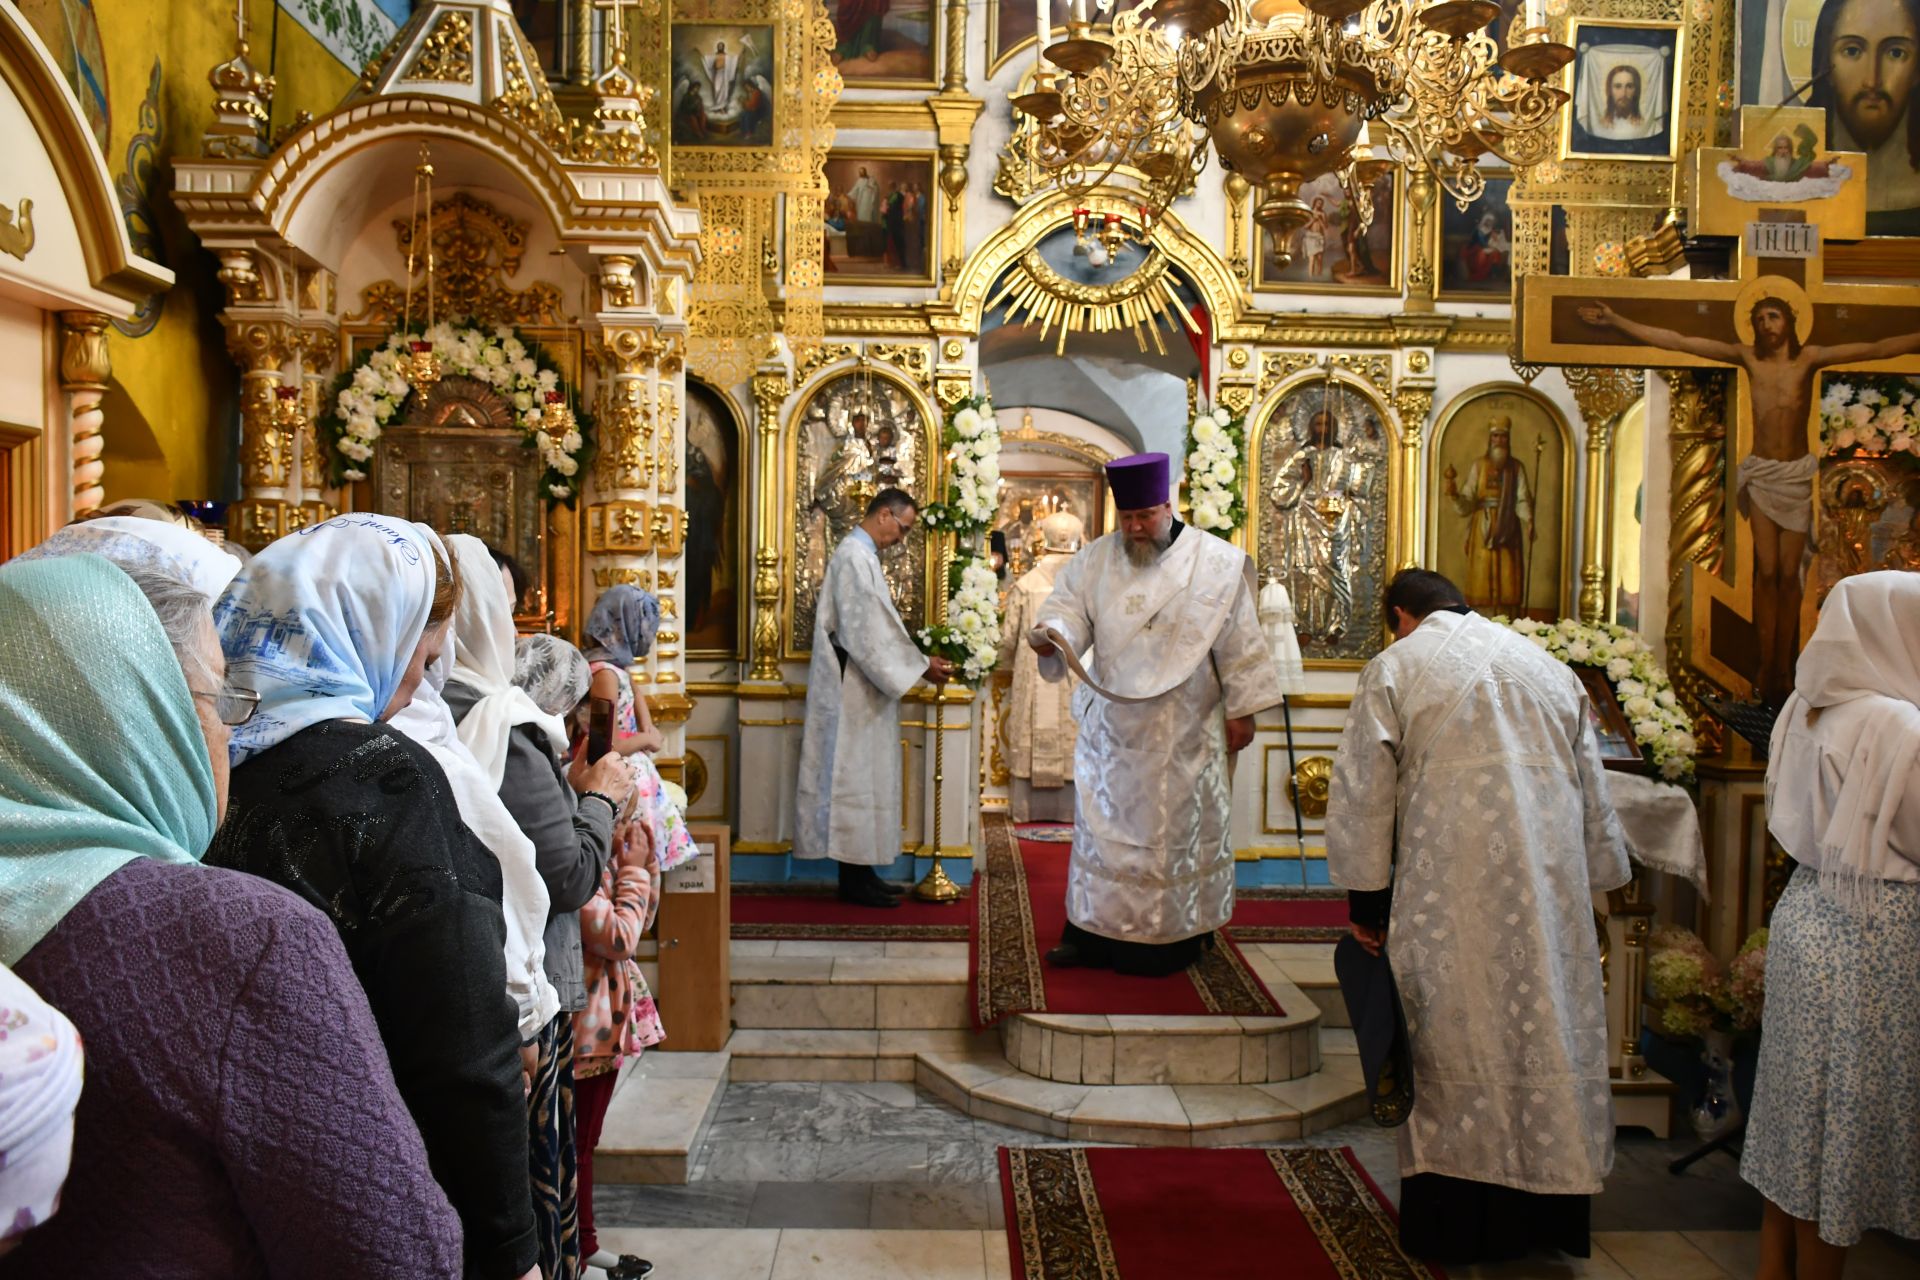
(1608, 311)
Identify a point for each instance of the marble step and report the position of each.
(658, 1116)
(850, 1055)
(850, 992)
(987, 1087)
(1305, 965)
(1121, 1050)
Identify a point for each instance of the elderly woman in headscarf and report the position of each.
(237, 1101)
(1834, 1139)
(617, 1019)
(569, 814)
(619, 632)
(334, 627)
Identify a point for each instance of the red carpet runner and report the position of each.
(1020, 908)
(803, 912)
(1143, 1213)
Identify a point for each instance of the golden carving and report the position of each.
(617, 280)
(1603, 394)
(16, 229)
(669, 528)
(83, 355)
(1853, 496)
(910, 358)
(617, 577)
(626, 451)
(84, 373)
(620, 528)
(1277, 366)
(820, 357)
(241, 274)
(1309, 785)
(769, 393)
(475, 249)
(953, 349)
(1237, 397)
(446, 55)
(1238, 358)
(1238, 189)
(668, 451)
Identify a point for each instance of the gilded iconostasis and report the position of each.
(696, 279)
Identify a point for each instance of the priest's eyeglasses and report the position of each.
(232, 705)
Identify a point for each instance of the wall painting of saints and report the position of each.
(1027, 497)
(722, 85)
(1331, 253)
(1859, 61)
(1499, 522)
(879, 213)
(1626, 91)
(857, 433)
(714, 573)
(885, 43)
(1476, 244)
(1321, 478)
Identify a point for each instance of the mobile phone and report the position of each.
(599, 728)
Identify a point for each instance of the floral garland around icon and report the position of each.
(370, 395)
(1216, 448)
(969, 634)
(1871, 414)
(1661, 726)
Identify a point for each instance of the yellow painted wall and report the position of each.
(171, 413)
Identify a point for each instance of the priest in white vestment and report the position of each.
(1039, 718)
(848, 801)
(1469, 756)
(1181, 666)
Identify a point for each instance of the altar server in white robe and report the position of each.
(848, 802)
(1469, 752)
(1040, 725)
(1169, 612)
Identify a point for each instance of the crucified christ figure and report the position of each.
(1774, 485)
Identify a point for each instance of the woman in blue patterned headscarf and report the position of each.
(335, 626)
(619, 632)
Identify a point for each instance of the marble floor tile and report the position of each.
(738, 948)
(1735, 1252)
(891, 1095)
(935, 950)
(813, 1205)
(873, 1160)
(930, 1207)
(742, 1161)
(809, 947)
(999, 1256)
(709, 1255)
(694, 1205)
(660, 1064)
(1540, 1267)
(961, 1160)
(880, 1255)
(779, 968)
(932, 1121)
(1657, 1255)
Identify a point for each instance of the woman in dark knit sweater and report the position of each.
(334, 626)
(237, 1103)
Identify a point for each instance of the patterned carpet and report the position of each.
(814, 912)
(1134, 1213)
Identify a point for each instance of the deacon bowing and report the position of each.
(1468, 793)
(848, 801)
(1181, 667)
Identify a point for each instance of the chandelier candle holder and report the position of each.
(1283, 91)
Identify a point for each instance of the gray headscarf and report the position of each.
(553, 673)
(621, 627)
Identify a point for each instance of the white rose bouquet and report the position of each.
(1216, 449)
(371, 393)
(969, 636)
(1660, 724)
(1864, 413)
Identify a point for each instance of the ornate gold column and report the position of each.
(84, 372)
(954, 81)
(953, 115)
(770, 390)
(262, 348)
(1413, 402)
(580, 14)
(1421, 273)
(1603, 394)
(318, 345)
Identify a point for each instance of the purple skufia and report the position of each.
(1140, 480)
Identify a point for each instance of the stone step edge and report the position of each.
(1060, 1110)
(666, 1163)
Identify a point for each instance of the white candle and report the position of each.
(1040, 27)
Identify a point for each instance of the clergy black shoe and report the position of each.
(1068, 956)
(867, 893)
(893, 887)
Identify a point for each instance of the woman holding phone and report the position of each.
(568, 812)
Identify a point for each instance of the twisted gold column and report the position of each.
(769, 394)
(84, 371)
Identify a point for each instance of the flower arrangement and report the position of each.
(1216, 446)
(1872, 414)
(1660, 724)
(371, 393)
(1695, 993)
(969, 635)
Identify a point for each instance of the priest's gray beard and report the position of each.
(1143, 554)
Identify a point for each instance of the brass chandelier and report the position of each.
(1283, 91)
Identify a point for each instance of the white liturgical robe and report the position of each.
(1152, 861)
(1473, 749)
(1040, 727)
(848, 800)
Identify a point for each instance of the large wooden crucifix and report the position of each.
(1778, 324)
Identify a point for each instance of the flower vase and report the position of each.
(1717, 1112)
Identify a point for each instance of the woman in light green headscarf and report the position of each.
(102, 765)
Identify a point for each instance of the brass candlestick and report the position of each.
(937, 886)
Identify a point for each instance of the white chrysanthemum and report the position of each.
(1579, 651)
(1221, 417)
(1619, 669)
(354, 473)
(1222, 471)
(1205, 431)
(560, 490)
(565, 466)
(571, 442)
(1640, 708)
(1647, 731)
(1674, 767)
